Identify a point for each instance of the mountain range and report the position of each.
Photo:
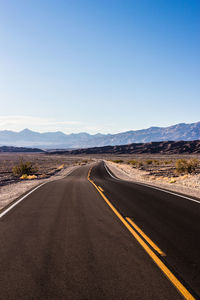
(60, 140)
(168, 147)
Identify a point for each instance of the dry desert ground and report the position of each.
(156, 170)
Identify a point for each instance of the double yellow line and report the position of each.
(134, 230)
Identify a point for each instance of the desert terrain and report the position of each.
(164, 171)
(154, 169)
(48, 168)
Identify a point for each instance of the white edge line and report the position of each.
(111, 173)
(153, 187)
(18, 201)
(14, 204)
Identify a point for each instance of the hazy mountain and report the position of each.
(28, 138)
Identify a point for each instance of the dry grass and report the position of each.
(184, 166)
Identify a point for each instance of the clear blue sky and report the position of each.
(99, 66)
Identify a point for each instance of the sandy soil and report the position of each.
(46, 165)
(10, 192)
(187, 184)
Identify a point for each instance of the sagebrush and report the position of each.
(24, 167)
(184, 166)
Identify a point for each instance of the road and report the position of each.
(64, 241)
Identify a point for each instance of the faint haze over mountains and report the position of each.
(28, 138)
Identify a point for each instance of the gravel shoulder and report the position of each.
(186, 184)
(10, 192)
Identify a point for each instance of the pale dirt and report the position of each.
(187, 184)
(10, 192)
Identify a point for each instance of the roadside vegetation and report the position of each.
(35, 165)
(164, 167)
(28, 170)
(117, 161)
(184, 166)
(24, 169)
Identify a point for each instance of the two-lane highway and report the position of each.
(171, 221)
(63, 241)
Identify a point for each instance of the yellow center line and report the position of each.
(153, 245)
(100, 188)
(180, 287)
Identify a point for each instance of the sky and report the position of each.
(99, 65)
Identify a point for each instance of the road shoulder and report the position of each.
(125, 172)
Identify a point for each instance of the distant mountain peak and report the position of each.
(26, 130)
(29, 138)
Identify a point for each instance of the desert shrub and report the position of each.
(149, 161)
(24, 176)
(85, 161)
(61, 167)
(31, 177)
(184, 166)
(140, 164)
(172, 181)
(136, 163)
(117, 161)
(24, 168)
(156, 162)
(167, 162)
(132, 162)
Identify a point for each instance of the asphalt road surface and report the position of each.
(64, 241)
